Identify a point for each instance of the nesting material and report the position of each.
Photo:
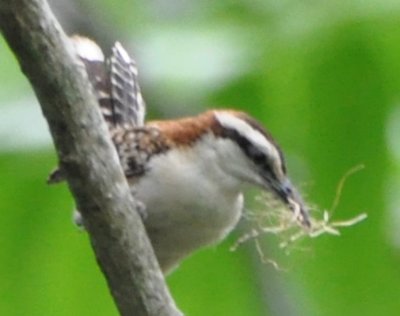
(272, 217)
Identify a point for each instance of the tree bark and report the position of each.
(87, 157)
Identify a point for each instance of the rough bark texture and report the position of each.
(87, 157)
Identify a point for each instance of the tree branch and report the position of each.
(88, 158)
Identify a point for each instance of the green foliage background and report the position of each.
(323, 76)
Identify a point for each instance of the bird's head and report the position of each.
(250, 153)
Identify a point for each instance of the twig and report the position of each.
(87, 157)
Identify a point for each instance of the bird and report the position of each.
(188, 173)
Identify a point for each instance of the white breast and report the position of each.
(190, 201)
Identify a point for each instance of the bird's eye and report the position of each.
(257, 155)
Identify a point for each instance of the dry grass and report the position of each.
(272, 217)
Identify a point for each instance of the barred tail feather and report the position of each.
(115, 82)
(93, 59)
(128, 105)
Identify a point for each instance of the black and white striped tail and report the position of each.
(115, 82)
(128, 104)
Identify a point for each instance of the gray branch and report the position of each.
(88, 158)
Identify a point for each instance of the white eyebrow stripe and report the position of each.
(230, 121)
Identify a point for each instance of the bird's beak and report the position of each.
(291, 197)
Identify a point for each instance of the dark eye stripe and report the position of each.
(251, 151)
(254, 124)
